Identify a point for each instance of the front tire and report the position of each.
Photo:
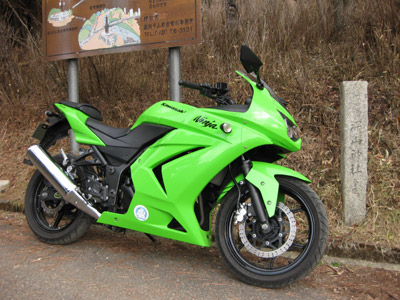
(53, 220)
(289, 252)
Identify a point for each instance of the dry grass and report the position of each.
(304, 58)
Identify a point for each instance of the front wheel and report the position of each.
(289, 251)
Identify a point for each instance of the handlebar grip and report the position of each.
(190, 85)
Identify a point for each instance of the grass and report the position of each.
(305, 59)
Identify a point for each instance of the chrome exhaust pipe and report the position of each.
(60, 181)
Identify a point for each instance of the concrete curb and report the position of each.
(370, 255)
(358, 262)
(364, 251)
(11, 206)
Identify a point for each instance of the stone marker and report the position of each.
(354, 149)
(4, 184)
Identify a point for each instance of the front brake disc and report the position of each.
(264, 247)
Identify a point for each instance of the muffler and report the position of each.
(60, 181)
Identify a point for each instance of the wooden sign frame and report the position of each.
(79, 28)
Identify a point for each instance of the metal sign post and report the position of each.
(73, 95)
(174, 73)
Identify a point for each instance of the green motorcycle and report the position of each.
(166, 174)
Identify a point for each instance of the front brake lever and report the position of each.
(224, 100)
(207, 90)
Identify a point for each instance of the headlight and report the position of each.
(292, 130)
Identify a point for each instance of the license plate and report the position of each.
(40, 131)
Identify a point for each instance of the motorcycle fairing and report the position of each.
(186, 159)
(77, 121)
(170, 174)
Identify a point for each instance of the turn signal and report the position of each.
(226, 127)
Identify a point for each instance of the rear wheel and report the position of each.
(52, 219)
(290, 251)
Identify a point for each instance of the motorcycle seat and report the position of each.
(121, 144)
(106, 129)
(86, 108)
(125, 137)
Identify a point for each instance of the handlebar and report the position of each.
(216, 92)
(190, 85)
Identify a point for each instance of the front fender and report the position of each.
(263, 176)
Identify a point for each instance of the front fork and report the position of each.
(256, 198)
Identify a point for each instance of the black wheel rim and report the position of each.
(305, 238)
(51, 213)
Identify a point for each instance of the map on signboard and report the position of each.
(59, 18)
(110, 28)
(71, 28)
(104, 29)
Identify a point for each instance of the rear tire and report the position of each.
(285, 255)
(53, 220)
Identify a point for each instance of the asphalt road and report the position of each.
(106, 265)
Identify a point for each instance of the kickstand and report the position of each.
(150, 237)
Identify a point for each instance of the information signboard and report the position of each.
(78, 28)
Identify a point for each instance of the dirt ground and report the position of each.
(129, 266)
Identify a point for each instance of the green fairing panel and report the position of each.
(229, 186)
(184, 177)
(263, 117)
(77, 119)
(188, 159)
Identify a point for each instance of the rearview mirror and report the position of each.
(249, 60)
